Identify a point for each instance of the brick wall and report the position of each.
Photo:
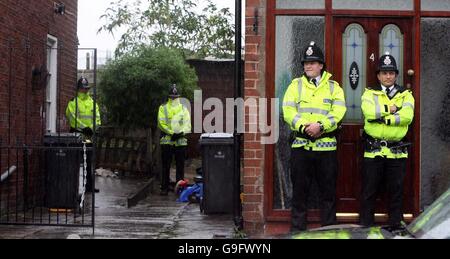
(254, 87)
(27, 23)
(22, 20)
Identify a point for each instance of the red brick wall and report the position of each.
(23, 21)
(34, 20)
(253, 162)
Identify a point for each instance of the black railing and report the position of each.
(44, 185)
(42, 182)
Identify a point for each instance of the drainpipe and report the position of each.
(8, 173)
(237, 209)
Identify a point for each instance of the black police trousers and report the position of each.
(307, 166)
(378, 171)
(168, 151)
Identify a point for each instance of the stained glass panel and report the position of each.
(391, 40)
(354, 64)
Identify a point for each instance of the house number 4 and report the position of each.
(372, 57)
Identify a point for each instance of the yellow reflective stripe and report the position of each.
(296, 119)
(300, 88)
(332, 120)
(393, 92)
(339, 103)
(314, 110)
(76, 121)
(290, 104)
(86, 116)
(397, 119)
(331, 87)
(408, 105)
(377, 107)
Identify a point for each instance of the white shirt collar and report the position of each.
(384, 88)
(317, 80)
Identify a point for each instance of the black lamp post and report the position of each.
(237, 211)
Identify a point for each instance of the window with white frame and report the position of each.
(51, 90)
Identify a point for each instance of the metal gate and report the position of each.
(42, 166)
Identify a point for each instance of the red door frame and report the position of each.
(272, 215)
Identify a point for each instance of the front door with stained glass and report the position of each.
(358, 44)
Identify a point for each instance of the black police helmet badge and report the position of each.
(173, 91)
(387, 63)
(83, 83)
(313, 53)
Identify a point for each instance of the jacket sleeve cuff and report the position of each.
(299, 125)
(301, 129)
(387, 120)
(326, 125)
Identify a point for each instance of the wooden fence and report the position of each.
(125, 151)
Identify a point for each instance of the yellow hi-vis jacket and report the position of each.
(390, 127)
(80, 112)
(174, 118)
(305, 103)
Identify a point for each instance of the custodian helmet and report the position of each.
(313, 53)
(387, 63)
(83, 83)
(173, 92)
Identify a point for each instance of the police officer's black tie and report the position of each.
(314, 81)
(388, 90)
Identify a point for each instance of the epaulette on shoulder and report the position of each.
(333, 81)
(401, 89)
(374, 88)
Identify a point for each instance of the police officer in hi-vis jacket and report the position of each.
(174, 120)
(313, 106)
(388, 110)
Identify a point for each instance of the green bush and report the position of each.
(132, 87)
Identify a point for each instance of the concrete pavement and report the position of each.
(155, 217)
